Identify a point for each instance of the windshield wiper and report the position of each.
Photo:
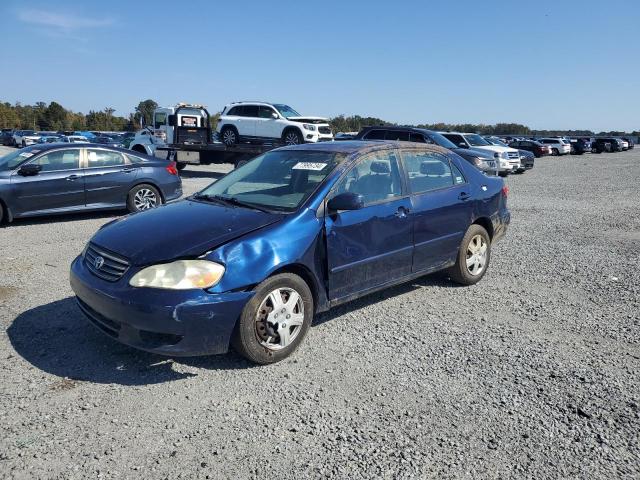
(240, 203)
(208, 198)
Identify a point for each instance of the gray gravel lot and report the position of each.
(531, 373)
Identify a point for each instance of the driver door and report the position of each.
(372, 246)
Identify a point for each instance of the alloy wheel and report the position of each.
(145, 199)
(476, 258)
(291, 138)
(229, 137)
(280, 318)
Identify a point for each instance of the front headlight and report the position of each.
(308, 126)
(504, 155)
(179, 275)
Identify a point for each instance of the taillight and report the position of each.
(171, 168)
(505, 191)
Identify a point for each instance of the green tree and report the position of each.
(145, 110)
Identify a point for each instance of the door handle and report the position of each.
(464, 196)
(402, 212)
(71, 178)
(128, 170)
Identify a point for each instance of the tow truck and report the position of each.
(184, 135)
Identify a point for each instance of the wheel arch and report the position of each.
(295, 129)
(303, 272)
(485, 223)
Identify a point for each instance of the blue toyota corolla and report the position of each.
(249, 260)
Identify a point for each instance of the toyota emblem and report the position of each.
(98, 263)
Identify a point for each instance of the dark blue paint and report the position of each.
(341, 255)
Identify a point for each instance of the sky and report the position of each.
(559, 64)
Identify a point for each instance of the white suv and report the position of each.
(558, 145)
(509, 158)
(264, 122)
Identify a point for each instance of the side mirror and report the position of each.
(172, 120)
(462, 145)
(29, 170)
(346, 201)
(274, 115)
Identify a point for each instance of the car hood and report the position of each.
(475, 153)
(179, 230)
(315, 120)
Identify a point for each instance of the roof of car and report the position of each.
(362, 146)
(41, 147)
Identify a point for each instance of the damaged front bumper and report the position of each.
(166, 322)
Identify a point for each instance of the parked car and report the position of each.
(538, 149)
(6, 137)
(473, 141)
(558, 146)
(624, 144)
(31, 139)
(580, 146)
(527, 161)
(127, 138)
(601, 145)
(18, 134)
(268, 122)
(74, 139)
(250, 259)
(57, 178)
(485, 161)
(49, 139)
(629, 142)
(109, 141)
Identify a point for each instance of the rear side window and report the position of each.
(375, 135)
(235, 112)
(397, 135)
(429, 171)
(250, 111)
(418, 138)
(59, 160)
(104, 158)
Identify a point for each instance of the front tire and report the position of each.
(143, 197)
(275, 321)
(473, 257)
(292, 137)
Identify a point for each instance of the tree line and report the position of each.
(54, 116)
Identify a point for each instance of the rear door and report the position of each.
(372, 246)
(441, 207)
(247, 122)
(58, 186)
(108, 177)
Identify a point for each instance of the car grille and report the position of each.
(513, 155)
(112, 266)
(324, 130)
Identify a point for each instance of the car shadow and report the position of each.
(201, 174)
(57, 339)
(75, 217)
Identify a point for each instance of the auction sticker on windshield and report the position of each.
(309, 166)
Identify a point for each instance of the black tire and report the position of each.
(248, 335)
(143, 194)
(181, 166)
(23, 144)
(292, 136)
(555, 152)
(229, 136)
(460, 272)
(1, 213)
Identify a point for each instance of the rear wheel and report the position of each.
(555, 152)
(143, 197)
(229, 136)
(473, 257)
(292, 137)
(275, 321)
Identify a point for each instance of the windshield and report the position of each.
(441, 140)
(286, 111)
(17, 157)
(277, 180)
(495, 141)
(476, 140)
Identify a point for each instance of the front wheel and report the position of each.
(473, 257)
(275, 321)
(143, 197)
(292, 137)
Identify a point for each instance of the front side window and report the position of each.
(376, 178)
(59, 160)
(160, 119)
(265, 112)
(429, 171)
(103, 158)
(277, 180)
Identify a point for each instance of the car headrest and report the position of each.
(380, 166)
(432, 168)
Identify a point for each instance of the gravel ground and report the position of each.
(531, 373)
